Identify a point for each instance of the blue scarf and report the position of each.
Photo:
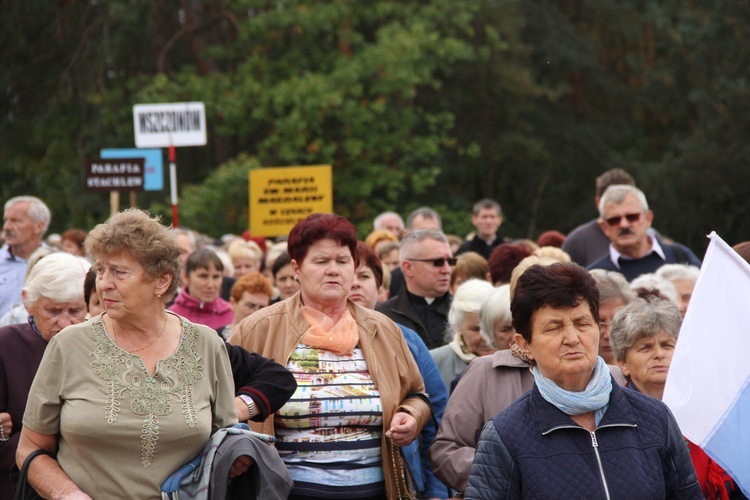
(594, 398)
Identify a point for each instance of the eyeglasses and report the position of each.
(438, 262)
(632, 218)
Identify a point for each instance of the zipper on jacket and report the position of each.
(595, 444)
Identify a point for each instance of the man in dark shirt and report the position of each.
(587, 243)
(423, 301)
(487, 217)
(634, 249)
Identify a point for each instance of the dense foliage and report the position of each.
(433, 102)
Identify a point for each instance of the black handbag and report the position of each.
(24, 491)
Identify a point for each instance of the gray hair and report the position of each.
(616, 193)
(190, 234)
(673, 272)
(379, 219)
(612, 285)
(58, 276)
(651, 284)
(642, 318)
(486, 204)
(38, 211)
(495, 310)
(412, 238)
(426, 213)
(469, 298)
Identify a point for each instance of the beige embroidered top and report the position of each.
(122, 431)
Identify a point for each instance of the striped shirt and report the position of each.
(329, 433)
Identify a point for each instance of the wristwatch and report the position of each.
(250, 404)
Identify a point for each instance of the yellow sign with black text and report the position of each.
(280, 197)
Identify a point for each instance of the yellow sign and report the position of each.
(280, 197)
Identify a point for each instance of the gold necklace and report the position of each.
(114, 330)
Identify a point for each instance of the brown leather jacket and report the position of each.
(275, 331)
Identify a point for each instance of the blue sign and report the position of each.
(153, 175)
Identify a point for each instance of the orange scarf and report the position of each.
(340, 337)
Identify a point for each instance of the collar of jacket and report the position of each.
(291, 308)
(549, 418)
(216, 306)
(506, 358)
(401, 305)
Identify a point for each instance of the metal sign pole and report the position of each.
(173, 184)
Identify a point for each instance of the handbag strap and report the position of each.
(21, 487)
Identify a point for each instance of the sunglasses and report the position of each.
(615, 221)
(438, 262)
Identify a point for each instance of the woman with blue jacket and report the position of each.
(576, 434)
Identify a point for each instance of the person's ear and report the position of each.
(295, 269)
(406, 268)
(162, 284)
(39, 228)
(624, 367)
(23, 300)
(521, 342)
(649, 217)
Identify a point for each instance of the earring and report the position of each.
(158, 296)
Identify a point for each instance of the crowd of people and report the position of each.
(410, 363)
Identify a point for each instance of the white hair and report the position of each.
(274, 252)
(376, 224)
(674, 272)
(495, 309)
(616, 193)
(469, 298)
(38, 211)
(58, 276)
(225, 259)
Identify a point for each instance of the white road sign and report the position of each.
(169, 124)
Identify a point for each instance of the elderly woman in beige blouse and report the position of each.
(128, 397)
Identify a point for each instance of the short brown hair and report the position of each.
(611, 177)
(77, 236)
(560, 285)
(366, 257)
(470, 265)
(135, 233)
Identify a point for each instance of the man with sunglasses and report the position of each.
(634, 250)
(423, 301)
(587, 243)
